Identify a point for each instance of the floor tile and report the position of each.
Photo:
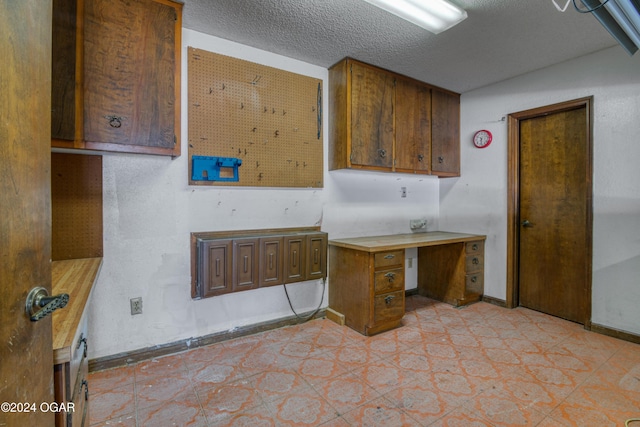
(115, 403)
(346, 392)
(305, 408)
(380, 412)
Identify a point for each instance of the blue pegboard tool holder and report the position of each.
(209, 168)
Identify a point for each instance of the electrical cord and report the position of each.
(588, 10)
(305, 318)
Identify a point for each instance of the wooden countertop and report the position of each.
(75, 277)
(403, 241)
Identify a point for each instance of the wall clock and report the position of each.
(482, 138)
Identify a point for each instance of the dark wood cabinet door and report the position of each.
(445, 133)
(317, 256)
(130, 68)
(216, 267)
(295, 258)
(64, 71)
(245, 260)
(413, 126)
(271, 265)
(372, 104)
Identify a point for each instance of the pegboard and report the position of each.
(76, 206)
(268, 120)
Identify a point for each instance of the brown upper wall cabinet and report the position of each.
(384, 121)
(116, 75)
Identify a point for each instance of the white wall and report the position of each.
(477, 201)
(149, 211)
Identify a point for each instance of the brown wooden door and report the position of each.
(26, 353)
(372, 97)
(554, 249)
(413, 127)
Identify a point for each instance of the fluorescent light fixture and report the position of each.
(621, 18)
(432, 15)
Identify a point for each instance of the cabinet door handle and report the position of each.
(85, 384)
(316, 253)
(388, 299)
(246, 263)
(440, 159)
(271, 261)
(420, 157)
(82, 340)
(382, 152)
(114, 121)
(294, 256)
(217, 266)
(390, 276)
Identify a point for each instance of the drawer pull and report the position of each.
(382, 152)
(388, 299)
(474, 246)
(390, 276)
(389, 256)
(475, 261)
(474, 279)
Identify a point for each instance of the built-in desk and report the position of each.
(366, 275)
(75, 277)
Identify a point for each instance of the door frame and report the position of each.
(513, 195)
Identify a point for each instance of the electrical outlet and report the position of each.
(136, 305)
(403, 192)
(419, 225)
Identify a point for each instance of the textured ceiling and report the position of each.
(500, 39)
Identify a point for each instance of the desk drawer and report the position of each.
(388, 259)
(474, 263)
(389, 281)
(474, 283)
(389, 307)
(476, 247)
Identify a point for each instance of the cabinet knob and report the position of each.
(440, 159)
(420, 157)
(475, 261)
(382, 152)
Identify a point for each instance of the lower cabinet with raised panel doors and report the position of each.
(233, 261)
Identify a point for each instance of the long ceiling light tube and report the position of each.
(623, 20)
(610, 24)
(435, 16)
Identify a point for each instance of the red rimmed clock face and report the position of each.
(482, 138)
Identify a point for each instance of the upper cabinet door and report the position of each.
(129, 76)
(413, 126)
(372, 105)
(445, 133)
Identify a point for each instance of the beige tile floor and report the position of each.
(481, 365)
